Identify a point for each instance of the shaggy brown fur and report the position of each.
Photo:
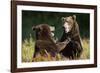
(44, 40)
(74, 48)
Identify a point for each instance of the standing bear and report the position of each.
(74, 48)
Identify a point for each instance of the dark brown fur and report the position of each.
(44, 40)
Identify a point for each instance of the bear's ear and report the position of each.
(33, 27)
(74, 17)
(63, 18)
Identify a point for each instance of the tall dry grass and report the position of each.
(28, 52)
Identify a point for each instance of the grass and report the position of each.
(28, 52)
(86, 49)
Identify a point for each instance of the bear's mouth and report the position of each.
(67, 27)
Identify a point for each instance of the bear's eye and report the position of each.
(67, 21)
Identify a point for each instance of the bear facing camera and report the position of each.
(74, 48)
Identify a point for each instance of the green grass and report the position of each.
(28, 52)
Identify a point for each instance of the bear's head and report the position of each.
(43, 31)
(69, 23)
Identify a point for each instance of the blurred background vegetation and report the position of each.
(30, 18)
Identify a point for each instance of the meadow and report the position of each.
(28, 49)
(30, 18)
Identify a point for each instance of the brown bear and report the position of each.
(74, 48)
(44, 40)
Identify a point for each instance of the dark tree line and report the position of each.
(30, 18)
